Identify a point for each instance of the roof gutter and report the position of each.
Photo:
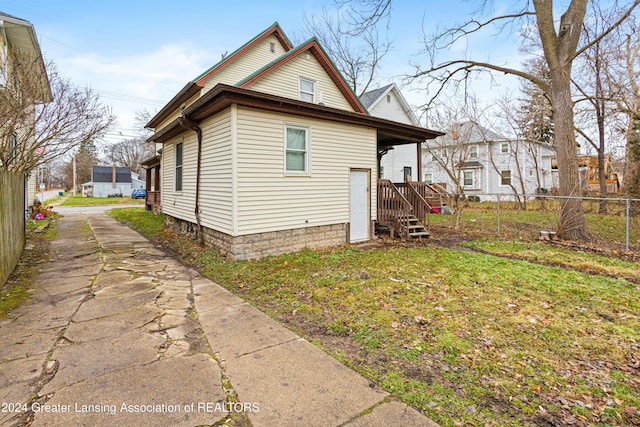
(191, 125)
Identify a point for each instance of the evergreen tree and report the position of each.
(535, 117)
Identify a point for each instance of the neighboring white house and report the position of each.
(110, 181)
(269, 151)
(475, 160)
(399, 162)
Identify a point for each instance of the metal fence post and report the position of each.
(628, 215)
(498, 214)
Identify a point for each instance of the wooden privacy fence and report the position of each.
(12, 234)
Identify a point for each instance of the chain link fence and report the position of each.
(614, 222)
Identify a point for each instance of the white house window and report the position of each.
(307, 90)
(388, 98)
(505, 177)
(504, 148)
(178, 166)
(13, 143)
(468, 178)
(272, 47)
(428, 178)
(434, 155)
(473, 151)
(297, 149)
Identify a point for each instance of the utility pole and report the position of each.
(74, 176)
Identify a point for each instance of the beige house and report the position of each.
(269, 151)
(17, 186)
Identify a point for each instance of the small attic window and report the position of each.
(388, 98)
(307, 90)
(272, 47)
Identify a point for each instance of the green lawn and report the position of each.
(467, 338)
(78, 200)
(482, 219)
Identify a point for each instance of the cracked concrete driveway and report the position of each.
(120, 334)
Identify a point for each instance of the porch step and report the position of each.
(414, 227)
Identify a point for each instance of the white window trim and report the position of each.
(473, 178)
(471, 151)
(307, 157)
(300, 91)
(503, 146)
(175, 168)
(431, 178)
(500, 177)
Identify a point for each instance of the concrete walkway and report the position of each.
(120, 334)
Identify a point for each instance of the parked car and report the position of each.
(139, 193)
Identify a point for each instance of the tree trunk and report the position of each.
(572, 220)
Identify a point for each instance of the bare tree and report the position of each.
(356, 55)
(35, 129)
(130, 153)
(624, 79)
(560, 46)
(449, 157)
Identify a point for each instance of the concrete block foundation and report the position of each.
(258, 245)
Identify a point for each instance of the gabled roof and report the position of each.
(373, 97)
(4, 16)
(105, 174)
(470, 132)
(273, 29)
(191, 88)
(312, 45)
(223, 96)
(22, 36)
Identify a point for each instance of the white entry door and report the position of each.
(359, 204)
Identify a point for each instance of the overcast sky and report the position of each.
(137, 54)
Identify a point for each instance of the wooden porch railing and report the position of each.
(413, 192)
(392, 207)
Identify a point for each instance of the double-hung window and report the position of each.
(505, 177)
(307, 90)
(468, 178)
(296, 149)
(178, 166)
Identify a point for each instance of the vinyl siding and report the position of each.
(216, 175)
(269, 200)
(392, 110)
(283, 81)
(395, 160)
(247, 63)
(180, 204)
(215, 179)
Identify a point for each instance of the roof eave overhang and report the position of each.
(22, 36)
(181, 97)
(222, 96)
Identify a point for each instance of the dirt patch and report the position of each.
(19, 284)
